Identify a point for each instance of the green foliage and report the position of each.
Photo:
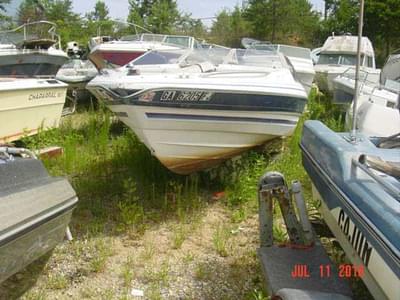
(292, 22)
(229, 28)
(159, 16)
(343, 17)
(2, 3)
(382, 24)
(186, 25)
(98, 21)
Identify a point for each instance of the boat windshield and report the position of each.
(337, 59)
(253, 57)
(159, 57)
(145, 37)
(369, 78)
(36, 34)
(293, 51)
(181, 41)
(392, 85)
(78, 64)
(197, 56)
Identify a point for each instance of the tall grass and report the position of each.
(116, 178)
(287, 160)
(119, 181)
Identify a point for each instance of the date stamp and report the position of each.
(325, 271)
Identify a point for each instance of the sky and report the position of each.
(198, 8)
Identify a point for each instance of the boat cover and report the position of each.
(35, 210)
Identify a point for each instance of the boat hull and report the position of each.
(31, 63)
(27, 105)
(187, 140)
(102, 58)
(363, 217)
(35, 210)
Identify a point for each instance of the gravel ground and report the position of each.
(208, 258)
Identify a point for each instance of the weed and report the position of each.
(179, 236)
(203, 271)
(103, 249)
(36, 295)
(188, 258)
(148, 251)
(220, 240)
(259, 295)
(161, 276)
(127, 273)
(154, 292)
(57, 282)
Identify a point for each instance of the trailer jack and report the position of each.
(300, 269)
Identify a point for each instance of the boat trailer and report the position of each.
(301, 269)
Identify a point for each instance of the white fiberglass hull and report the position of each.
(344, 85)
(325, 74)
(26, 105)
(191, 122)
(377, 113)
(187, 140)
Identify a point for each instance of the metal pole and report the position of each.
(356, 87)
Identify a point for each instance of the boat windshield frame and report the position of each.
(339, 59)
(20, 34)
(161, 57)
(364, 76)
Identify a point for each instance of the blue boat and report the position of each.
(357, 180)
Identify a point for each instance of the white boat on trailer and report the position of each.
(28, 105)
(198, 114)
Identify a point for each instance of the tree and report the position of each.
(29, 11)
(3, 9)
(283, 20)
(2, 3)
(163, 16)
(98, 21)
(382, 23)
(229, 28)
(100, 11)
(187, 25)
(342, 18)
(159, 16)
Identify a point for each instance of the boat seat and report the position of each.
(206, 66)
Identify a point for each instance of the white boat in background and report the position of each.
(116, 53)
(378, 112)
(337, 54)
(299, 57)
(390, 75)
(31, 50)
(315, 54)
(377, 100)
(26, 105)
(77, 73)
(193, 115)
(344, 84)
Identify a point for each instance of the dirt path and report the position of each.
(207, 258)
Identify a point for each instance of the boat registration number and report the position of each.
(186, 96)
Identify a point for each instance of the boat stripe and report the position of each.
(390, 254)
(218, 118)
